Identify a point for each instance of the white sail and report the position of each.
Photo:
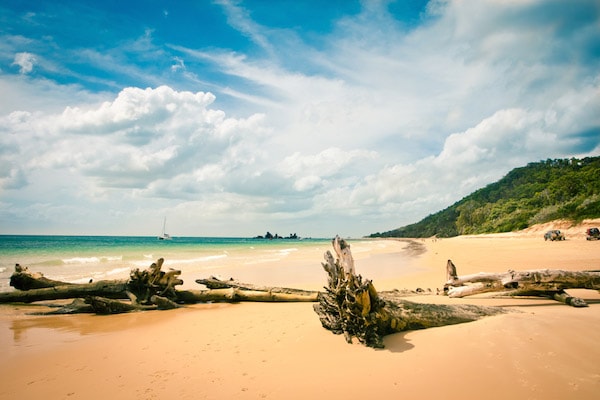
(164, 235)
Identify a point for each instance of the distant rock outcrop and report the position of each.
(270, 236)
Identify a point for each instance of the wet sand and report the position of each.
(540, 350)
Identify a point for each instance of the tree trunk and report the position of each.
(234, 295)
(110, 289)
(353, 307)
(215, 283)
(149, 289)
(541, 283)
(142, 287)
(23, 279)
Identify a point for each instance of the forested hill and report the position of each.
(537, 193)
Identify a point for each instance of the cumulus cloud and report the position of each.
(139, 137)
(25, 61)
(377, 127)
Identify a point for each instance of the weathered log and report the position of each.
(23, 279)
(103, 305)
(148, 289)
(560, 296)
(77, 306)
(540, 279)
(540, 283)
(141, 287)
(353, 307)
(111, 289)
(238, 295)
(216, 283)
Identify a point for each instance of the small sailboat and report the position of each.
(164, 235)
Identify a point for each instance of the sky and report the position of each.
(234, 118)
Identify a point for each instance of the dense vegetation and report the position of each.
(539, 192)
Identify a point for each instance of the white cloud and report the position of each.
(25, 61)
(325, 163)
(239, 19)
(178, 64)
(376, 128)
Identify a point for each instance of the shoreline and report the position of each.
(540, 349)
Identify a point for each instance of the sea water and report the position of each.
(79, 259)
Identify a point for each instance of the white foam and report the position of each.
(262, 260)
(285, 252)
(91, 260)
(112, 258)
(201, 259)
(81, 260)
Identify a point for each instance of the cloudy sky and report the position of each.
(231, 118)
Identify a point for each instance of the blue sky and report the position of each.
(232, 118)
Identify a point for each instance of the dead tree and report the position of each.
(151, 288)
(110, 289)
(545, 283)
(234, 295)
(153, 281)
(216, 283)
(23, 279)
(148, 289)
(352, 306)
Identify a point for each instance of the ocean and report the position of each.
(81, 258)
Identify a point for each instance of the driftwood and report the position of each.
(216, 283)
(23, 279)
(143, 285)
(547, 283)
(109, 289)
(352, 306)
(148, 289)
(234, 295)
(140, 288)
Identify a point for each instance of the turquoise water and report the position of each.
(81, 258)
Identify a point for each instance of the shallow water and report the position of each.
(269, 262)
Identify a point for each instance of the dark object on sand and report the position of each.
(553, 235)
(593, 234)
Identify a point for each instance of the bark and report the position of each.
(549, 283)
(153, 281)
(148, 289)
(110, 289)
(353, 307)
(143, 288)
(234, 295)
(23, 279)
(103, 305)
(215, 283)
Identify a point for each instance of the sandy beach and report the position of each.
(541, 349)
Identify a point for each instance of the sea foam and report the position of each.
(91, 260)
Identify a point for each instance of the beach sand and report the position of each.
(541, 349)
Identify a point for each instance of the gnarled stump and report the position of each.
(352, 306)
(143, 284)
